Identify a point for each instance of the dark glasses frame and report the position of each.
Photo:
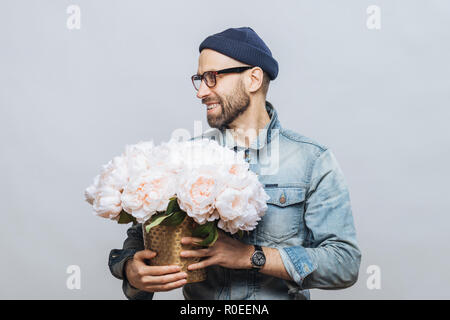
(210, 76)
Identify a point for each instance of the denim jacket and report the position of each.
(309, 220)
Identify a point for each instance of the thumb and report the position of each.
(144, 254)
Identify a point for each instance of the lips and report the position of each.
(212, 106)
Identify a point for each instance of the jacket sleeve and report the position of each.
(118, 257)
(329, 257)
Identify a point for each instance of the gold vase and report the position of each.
(166, 242)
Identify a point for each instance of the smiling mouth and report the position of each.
(212, 106)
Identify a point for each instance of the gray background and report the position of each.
(72, 99)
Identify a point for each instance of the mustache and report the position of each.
(205, 101)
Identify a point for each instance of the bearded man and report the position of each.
(307, 237)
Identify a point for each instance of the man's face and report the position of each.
(228, 98)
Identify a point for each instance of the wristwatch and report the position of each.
(258, 258)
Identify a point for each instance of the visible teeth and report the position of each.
(212, 106)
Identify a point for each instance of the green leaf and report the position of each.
(156, 220)
(211, 238)
(125, 218)
(172, 206)
(240, 233)
(203, 230)
(175, 218)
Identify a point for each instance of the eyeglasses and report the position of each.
(210, 76)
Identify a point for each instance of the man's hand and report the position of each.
(226, 252)
(153, 278)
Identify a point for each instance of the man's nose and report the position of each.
(203, 91)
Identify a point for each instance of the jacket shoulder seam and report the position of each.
(298, 138)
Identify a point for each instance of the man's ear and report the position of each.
(255, 79)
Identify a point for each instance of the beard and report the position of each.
(231, 107)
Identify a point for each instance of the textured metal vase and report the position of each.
(166, 242)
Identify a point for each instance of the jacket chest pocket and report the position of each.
(284, 214)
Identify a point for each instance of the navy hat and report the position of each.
(243, 44)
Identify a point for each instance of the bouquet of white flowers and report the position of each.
(162, 185)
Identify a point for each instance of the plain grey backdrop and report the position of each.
(72, 99)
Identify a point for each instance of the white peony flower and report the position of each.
(115, 173)
(149, 193)
(197, 192)
(104, 194)
(241, 209)
(138, 157)
(91, 191)
(232, 203)
(107, 203)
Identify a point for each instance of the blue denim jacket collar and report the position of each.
(264, 136)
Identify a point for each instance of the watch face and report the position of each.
(259, 259)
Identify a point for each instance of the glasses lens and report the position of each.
(210, 79)
(196, 81)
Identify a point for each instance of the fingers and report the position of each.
(163, 270)
(159, 278)
(165, 279)
(201, 264)
(154, 278)
(166, 287)
(157, 270)
(195, 253)
(191, 240)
